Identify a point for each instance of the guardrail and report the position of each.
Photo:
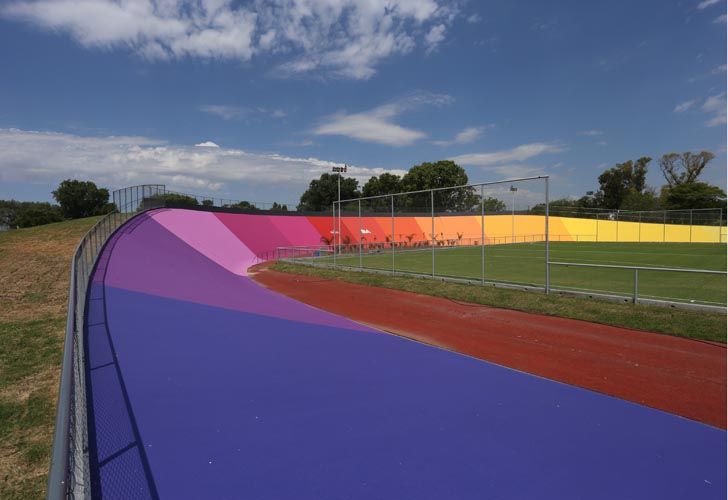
(635, 279)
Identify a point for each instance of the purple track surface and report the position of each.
(202, 384)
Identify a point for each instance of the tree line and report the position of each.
(622, 187)
(323, 192)
(74, 199)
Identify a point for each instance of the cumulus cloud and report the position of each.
(707, 3)
(376, 125)
(715, 106)
(465, 136)
(346, 38)
(499, 158)
(48, 157)
(684, 106)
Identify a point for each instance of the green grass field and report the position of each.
(525, 264)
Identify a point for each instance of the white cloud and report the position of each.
(707, 3)
(716, 106)
(720, 19)
(591, 133)
(465, 136)
(207, 144)
(376, 125)
(684, 106)
(474, 18)
(718, 69)
(434, 38)
(518, 154)
(227, 112)
(121, 161)
(346, 38)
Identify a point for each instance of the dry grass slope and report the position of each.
(34, 274)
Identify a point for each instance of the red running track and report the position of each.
(680, 376)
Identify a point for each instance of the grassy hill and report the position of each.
(34, 274)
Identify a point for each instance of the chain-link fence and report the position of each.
(69, 475)
(700, 225)
(135, 198)
(452, 232)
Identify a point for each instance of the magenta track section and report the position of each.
(203, 384)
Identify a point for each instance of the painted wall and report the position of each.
(237, 241)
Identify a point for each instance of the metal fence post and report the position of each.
(548, 270)
(636, 286)
(639, 227)
(617, 226)
(391, 240)
(482, 235)
(691, 226)
(432, 218)
(360, 235)
(333, 230)
(720, 226)
(664, 226)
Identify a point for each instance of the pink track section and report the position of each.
(208, 235)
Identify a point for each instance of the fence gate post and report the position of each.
(636, 286)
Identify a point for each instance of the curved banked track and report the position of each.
(202, 384)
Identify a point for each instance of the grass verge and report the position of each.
(678, 322)
(34, 274)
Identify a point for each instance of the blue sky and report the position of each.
(127, 91)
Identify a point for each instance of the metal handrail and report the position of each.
(637, 269)
(641, 268)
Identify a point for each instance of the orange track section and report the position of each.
(680, 376)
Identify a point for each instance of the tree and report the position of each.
(323, 192)
(208, 203)
(493, 204)
(617, 182)
(28, 213)
(244, 205)
(385, 184)
(684, 168)
(646, 200)
(694, 195)
(278, 207)
(176, 200)
(81, 198)
(36, 214)
(441, 174)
